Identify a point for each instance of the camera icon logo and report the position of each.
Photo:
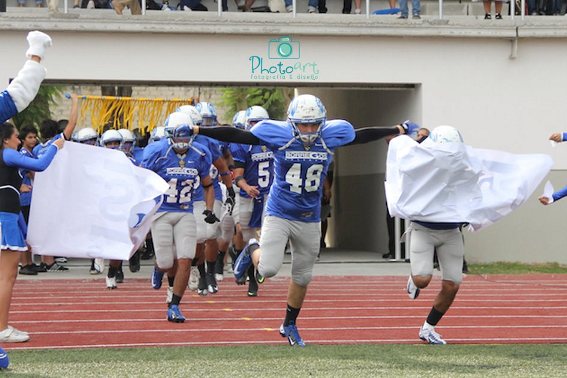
(283, 48)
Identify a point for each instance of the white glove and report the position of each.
(38, 41)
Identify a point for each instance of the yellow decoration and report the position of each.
(128, 112)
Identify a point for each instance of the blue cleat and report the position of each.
(243, 262)
(290, 331)
(157, 277)
(174, 314)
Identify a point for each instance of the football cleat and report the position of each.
(202, 288)
(429, 335)
(111, 283)
(411, 289)
(212, 286)
(194, 278)
(157, 278)
(174, 314)
(169, 296)
(243, 262)
(290, 331)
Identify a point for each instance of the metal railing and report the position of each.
(294, 3)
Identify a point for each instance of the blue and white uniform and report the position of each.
(258, 164)
(175, 223)
(293, 206)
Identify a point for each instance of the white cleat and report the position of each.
(194, 278)
(111, 283)
(12, 335)
(99, 265)
(411, 289)
(169, 297)
(429, 335)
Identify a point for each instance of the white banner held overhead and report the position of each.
(92, 202)
(456, 183)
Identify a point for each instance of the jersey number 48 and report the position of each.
(310, 183)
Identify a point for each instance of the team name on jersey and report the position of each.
(305, 155)
(182, 171)
(260, 156)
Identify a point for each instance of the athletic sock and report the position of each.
(434, 317)
(221, 256)
(211, 266)
(291, 314)
(201, 268)
(175, 300)
(112, 271)
(170, 280)
(194, 262)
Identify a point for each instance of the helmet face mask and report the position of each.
(181, 138)
(307, 110)
(239, 119)
(128, 140)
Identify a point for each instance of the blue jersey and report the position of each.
(25, 198)
(183, 173)
(300, 172)
(258, 166)
(7, 106)
(138, 154)
(214, 147)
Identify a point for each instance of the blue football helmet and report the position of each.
(255, 114)
(208, 112)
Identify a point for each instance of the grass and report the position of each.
(283, 361)
(516, 268)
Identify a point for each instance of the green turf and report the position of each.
(516, 268)
(284, 361)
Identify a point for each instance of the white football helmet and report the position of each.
(208, 112)
(173, 126)
(157, 134)
(445, 134)
(239, 119)
(128, 139)
(307, 109)
(192, 112)
(111, 136)
(86, 135)
(255, 114)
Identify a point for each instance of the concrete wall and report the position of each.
(461, 75)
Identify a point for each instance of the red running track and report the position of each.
(338, 310)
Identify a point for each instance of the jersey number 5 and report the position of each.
(312, 179)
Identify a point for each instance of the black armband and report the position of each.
(230, 134)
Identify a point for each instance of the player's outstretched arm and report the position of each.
(73, 117)
(227, 134)
(23, 89)
(369, 134)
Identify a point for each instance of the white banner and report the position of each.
(92, 202)
(456, 183)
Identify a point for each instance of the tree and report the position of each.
(274, 100)
(39, 109)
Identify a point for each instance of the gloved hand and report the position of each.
(230, 200)
(210, 217)
(38, 42)
(411, 128)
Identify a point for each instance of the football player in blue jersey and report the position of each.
(205, 114)
(254, 174)
(185, 165)
(303, 148)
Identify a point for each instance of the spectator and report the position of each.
(497, 7)
(312, 6)
(416, 9)
(28, 136)
(134, 6)
(192, 5)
